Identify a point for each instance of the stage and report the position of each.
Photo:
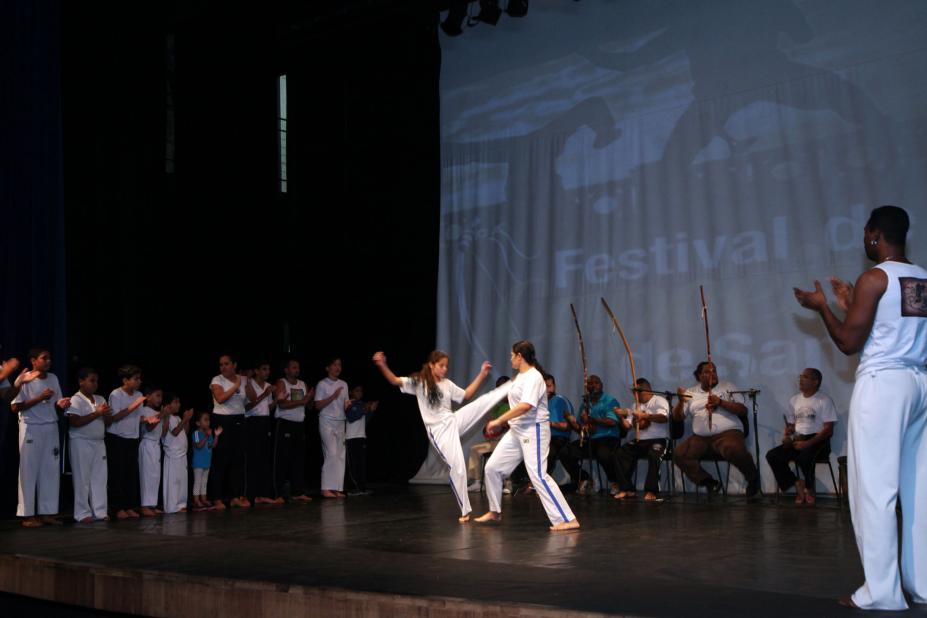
(401, 552)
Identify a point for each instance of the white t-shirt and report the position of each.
(262, 408)
(721, 420)
(656, 431)
(81, 405)
(357, 429)
(175, 447)
(155, 433)
(127, 426)
(441, 411)
(334, 411)
(294, 392)
(898, 338)
(809, 414)
(234, 405)
(528, 387)
(44, 411)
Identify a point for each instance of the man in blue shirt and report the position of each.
(599, 416)
(560, 409)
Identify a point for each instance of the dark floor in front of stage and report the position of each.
(679, 557)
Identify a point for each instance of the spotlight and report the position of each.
(453, 23)
(489, 12)
(517, 8)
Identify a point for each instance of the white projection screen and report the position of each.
(635, 150)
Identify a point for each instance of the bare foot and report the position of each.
(341, 494)
(463, 519)
(328, 493)
(800, 492)
(50, 520)
(487, 517)
(847, 602)
(106, 518)
(158, 511)
(218, 505)
(132, 514)
(565, 526)
(147, 512)
(621, 495)
(87, 520)
(241, 503)
(650, 497)
(809, 498)
(278, 501)
(182, 509)
(300, 498)
(31, 522)
(122, 515)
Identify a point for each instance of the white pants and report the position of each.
(175, 483)
(530, 444)
(39, 469)
(200, 481)
(445, 438)
(88, 470)
(887, 458)
(332, 434)
(149, 470)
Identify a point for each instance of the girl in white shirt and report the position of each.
(435, 392)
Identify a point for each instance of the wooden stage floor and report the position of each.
(401, 552)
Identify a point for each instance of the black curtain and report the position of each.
(32, 246)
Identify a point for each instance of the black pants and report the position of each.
(356, 477)
(602, 450)
(557, 444)
(227, 472)
(290, 457)
(122, 472)
(259, 447)
(780, 457)
(627, 457)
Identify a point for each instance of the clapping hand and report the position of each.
(843, 292)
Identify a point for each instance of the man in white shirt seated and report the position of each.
(716, 427)
(809, 426)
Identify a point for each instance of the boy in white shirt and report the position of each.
(174, 439)
(86, 416)
(122, 443)
(37, 404)
(149, 452)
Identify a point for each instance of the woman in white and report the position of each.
(444, 427)
(331, 397)
(528, 439)
(227, 473)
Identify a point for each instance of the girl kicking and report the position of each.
(444, 427)
(528, 440)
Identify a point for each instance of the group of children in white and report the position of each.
(121, 451)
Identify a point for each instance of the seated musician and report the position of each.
(649, 441)
(809, 424)
(716, 427)
(600, 420)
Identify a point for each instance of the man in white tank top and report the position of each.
(886, 321)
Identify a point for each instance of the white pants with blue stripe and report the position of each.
(887, 461)
(445, 438)
(530, 444)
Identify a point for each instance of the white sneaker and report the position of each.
(475, 486)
